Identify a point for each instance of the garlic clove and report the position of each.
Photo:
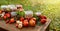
(18, 22)
(20, 26)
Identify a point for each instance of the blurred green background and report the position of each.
(50, 8)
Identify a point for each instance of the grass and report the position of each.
(50, 8)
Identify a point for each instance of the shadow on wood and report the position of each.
(1, 29)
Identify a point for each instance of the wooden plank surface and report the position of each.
(11, 27)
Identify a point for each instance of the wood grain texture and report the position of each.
(11, 27)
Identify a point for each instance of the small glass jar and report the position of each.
(12, 7)
(28, 14)
(38, 13)
(4, 6)
(13, 14)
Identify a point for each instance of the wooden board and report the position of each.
(11, 27)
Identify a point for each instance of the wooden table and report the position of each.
(11, 27)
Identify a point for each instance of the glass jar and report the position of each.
(38, 13)
(12, 7)
(4, 6)
(13, 14)
(28, 14)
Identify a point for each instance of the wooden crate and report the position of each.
(11, 27)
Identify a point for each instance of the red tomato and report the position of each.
(43, 17)
(5, 17)
(22, 19)
(12, 20)
(43, 21)
(25, 23)
(7, 14)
